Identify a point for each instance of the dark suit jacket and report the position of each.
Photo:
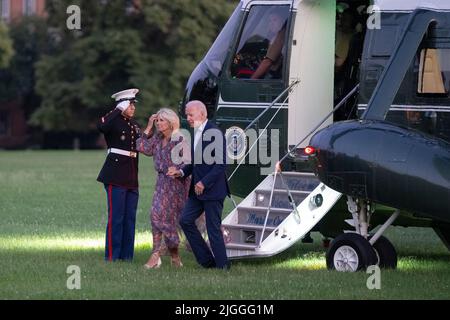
(121, 133)
(210, 166)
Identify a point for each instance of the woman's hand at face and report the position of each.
(150, 123)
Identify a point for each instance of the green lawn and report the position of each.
(53, 215)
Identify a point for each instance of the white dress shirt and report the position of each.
(198, 132)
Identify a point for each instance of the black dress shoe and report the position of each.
(226, 267)
(209, 265)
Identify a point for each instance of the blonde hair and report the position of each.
(170, 116)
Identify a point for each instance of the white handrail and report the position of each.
(268, 123)
(268, 209)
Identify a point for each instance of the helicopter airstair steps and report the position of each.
(266, 223)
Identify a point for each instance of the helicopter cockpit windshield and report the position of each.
(263, 37)
(202, 84)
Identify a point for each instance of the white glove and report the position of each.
(123, 105)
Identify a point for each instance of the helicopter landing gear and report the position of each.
(356, 250)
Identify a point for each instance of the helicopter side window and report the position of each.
(434, 72)
(431, 76)
(261, 48)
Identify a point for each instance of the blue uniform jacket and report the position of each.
(211, 174)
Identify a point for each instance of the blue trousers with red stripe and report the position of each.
(120, 230)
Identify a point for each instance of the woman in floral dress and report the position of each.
(168, 148)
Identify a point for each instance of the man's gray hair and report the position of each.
(198, 105)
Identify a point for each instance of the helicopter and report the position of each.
(354, 107)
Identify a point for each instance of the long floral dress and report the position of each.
(170, 194)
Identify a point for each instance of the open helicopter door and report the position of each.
(312, 63)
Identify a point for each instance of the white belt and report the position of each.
(131, 154)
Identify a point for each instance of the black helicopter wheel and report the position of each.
(386, 254)
(350, 252)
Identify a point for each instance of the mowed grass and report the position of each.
(53, 215)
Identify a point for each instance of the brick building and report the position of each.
(13, 125)
(11, 10)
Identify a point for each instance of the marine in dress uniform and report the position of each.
(120, 175)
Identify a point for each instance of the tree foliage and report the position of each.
(29, 40)
(152, 46)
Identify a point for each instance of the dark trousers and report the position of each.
(120, 230)
(213, 211)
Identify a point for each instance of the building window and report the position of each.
(5, 9)
(29, 7)
(3, 123)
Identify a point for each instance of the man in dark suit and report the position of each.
(119, 175)
(209, 187)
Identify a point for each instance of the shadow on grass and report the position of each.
(42, 274)
(306, 256)
(298, 257)
(297, 251)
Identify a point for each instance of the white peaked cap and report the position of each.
(129, 94)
